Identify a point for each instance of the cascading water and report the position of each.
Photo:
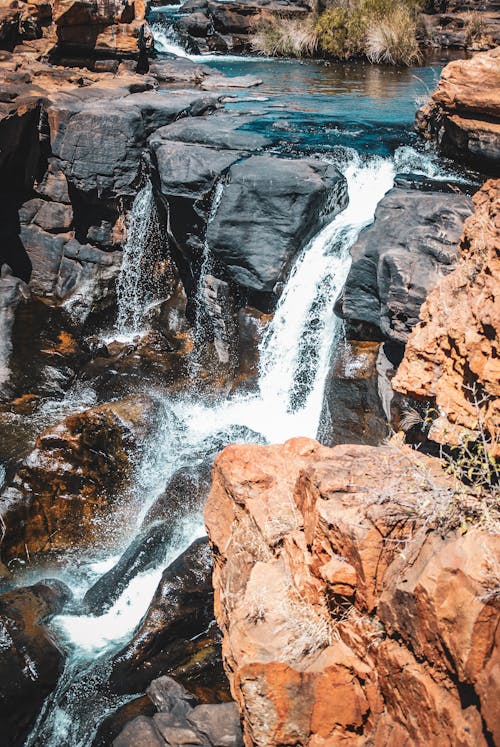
(142, 249)
(294, 359)
(200, 302)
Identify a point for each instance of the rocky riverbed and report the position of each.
(215, 251)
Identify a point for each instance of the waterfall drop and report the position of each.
(136, 286)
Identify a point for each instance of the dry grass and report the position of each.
(285, 37)
(393, 40)
(475, 27)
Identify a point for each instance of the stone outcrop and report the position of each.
(180, 720)
(342, 622)
(399, 258)
(207, 25)
(270, 208)
(30, 662)
(463, 115)
(76, 476)
(177, 635)
(452, 355)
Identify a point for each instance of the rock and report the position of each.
(185, 493)
(108, 155)
(319, 606)
(352, 409)
(145, 552)
(464, 114)
(12, 291)
(172, 635)
(113, 724)
(452, 355)
(180, 721)
(74, 479)
(399, 259)
(31, 662)
(269, 209)
(206, 25)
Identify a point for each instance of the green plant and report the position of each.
(381, 30)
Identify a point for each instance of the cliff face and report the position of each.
(452, 355)
(463, 115)
(344, 621)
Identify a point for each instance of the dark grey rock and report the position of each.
(396, 261)
(269, 209)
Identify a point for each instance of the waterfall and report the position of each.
(295, 354)
(167, 41)
(142, 249)
(296, 350)
(201, 301)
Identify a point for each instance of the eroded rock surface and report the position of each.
(341, 622)
(464, 113)
(397, 260)
(30, 662)
(452, 355)
(74, 479)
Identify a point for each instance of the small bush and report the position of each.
(381, 30)
(392, 40)
(285, 37)
(475, 27)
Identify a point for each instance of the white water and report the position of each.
(135, 288)
(297, 345)
(166, 41)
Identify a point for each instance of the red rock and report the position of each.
(456, 344)
(341, 622)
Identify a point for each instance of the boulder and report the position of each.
(180, 720)
(76, 476)
(398, 259)
(185, 493)
(206, 25)
(269, 210)
(12, 292)
(345, 618)
(464, 113)
(30, 661)
(452, 355)
(144, 552)
(175, 636)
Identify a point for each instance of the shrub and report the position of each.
(393, 39)
(475, 27)
(285, 37)
(381, 30)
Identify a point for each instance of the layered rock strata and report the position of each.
(343, 620)
(463, 116)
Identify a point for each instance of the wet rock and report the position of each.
(108, 157)
(145, 552)
(71, 489)
(400, 258)
(270, 208)
(352, 409)
(318, 605)
(464, 114)
(452, 355)
(185, 492)
(171, 637)
(251, 326)
(12, 291)
(112, 726)
(31, 662)
(181, 721)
